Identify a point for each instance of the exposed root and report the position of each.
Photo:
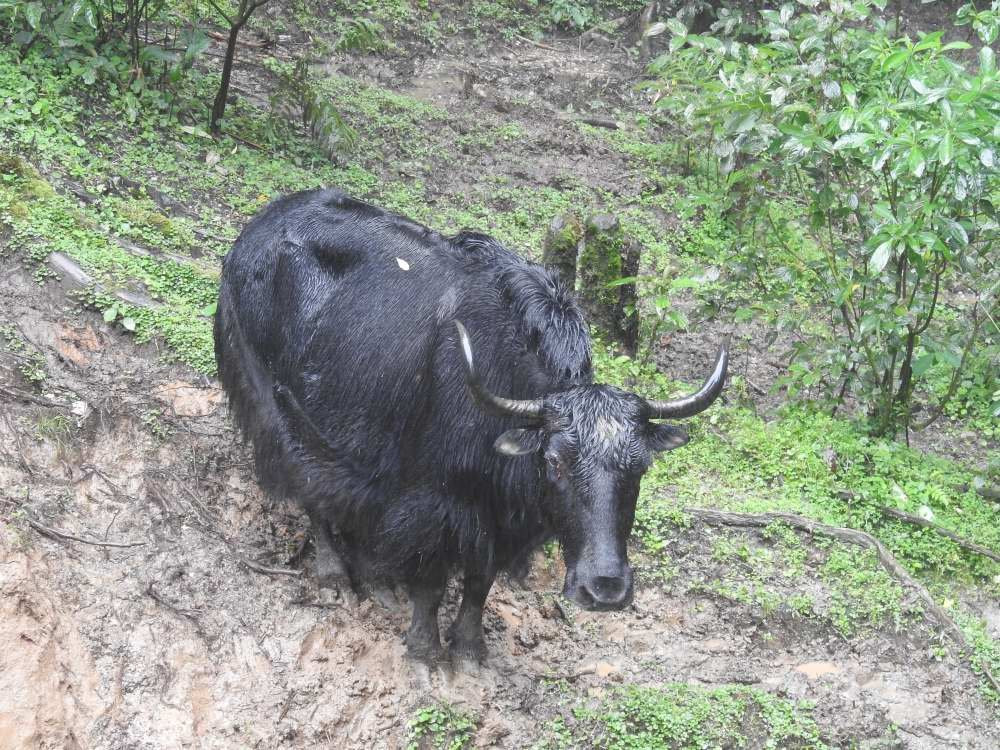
(65, 536)
(959, 540)
(861, 539)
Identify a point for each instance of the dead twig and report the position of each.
(251, 144)
(288, 705)
(30, 397)
(266, 570)
(187, 614)
(959, 540)
(536, 44)
(65, 536)
(850, 536)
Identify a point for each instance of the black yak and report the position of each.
(428, 400)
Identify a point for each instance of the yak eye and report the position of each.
(555, 465)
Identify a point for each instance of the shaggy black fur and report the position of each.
(343, 370)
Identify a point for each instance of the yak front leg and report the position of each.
(466, 633)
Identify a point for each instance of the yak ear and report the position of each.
(519, 442)
(665, 437)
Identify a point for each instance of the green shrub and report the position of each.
(859, 175)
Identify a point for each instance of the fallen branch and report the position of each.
(600, 122)
(959, 540)
(65, 536)
(851, 536)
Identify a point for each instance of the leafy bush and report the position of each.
(97, 39)
(859, 174)
(572, 14)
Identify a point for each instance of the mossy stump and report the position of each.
(606, 256)
(562, 245)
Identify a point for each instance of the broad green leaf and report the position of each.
(922, 364)
(110, 314)
(676, 27)
(845, 121)
(932, 40)
(810, 43)
(987, 61)
(880, 257)
(946, 109)
(986, 156)
(852, 140)
(917, 163)
(128, 324)
(657, 28)
(917, 85)
(896, 59)
(831, 89)
(956, 231)
(33, 14)
(880, 159)
(850, 93)
(945, 150)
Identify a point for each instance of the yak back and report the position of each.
(348, 311)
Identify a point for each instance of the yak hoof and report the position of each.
(428, 653)
(467, 652)
(384, 596)
(336, 590)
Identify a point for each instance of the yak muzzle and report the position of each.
(599, 591)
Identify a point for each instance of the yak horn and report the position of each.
(688, 406)
(503, 407)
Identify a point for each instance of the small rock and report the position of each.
(814, 669)
(188, 400)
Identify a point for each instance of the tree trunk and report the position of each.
(219, 107)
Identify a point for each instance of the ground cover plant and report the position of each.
(106, 159)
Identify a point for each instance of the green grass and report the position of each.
(686, 717)
(440, 727)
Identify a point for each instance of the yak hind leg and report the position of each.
(423, 639)
(466, 633)
(332, 573)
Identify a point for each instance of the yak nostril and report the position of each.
(608, 589)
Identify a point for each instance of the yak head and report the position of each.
(595, 442)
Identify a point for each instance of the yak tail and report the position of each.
(312, 439)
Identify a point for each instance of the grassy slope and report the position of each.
(55, 137)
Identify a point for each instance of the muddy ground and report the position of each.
(174, 640)
(153, 598)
